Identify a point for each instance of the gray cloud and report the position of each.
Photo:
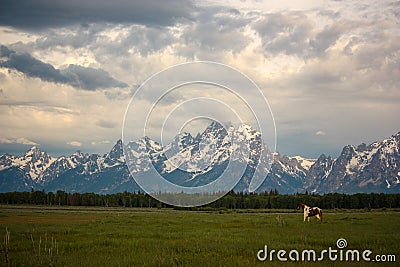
(213, 29)
(82, 35)
(81, 77)
(30, 66)
(285, 33)
(42, 14)
(89, 78)
(145, 40)
(216, 30)
(327, 37)
(5, 52)
(295, 33)
(106, 124)
(40, 106)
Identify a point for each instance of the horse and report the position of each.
(310, 212)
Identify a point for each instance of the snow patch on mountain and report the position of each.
(304, 162)
(196, 161)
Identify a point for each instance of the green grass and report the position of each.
(144, 237)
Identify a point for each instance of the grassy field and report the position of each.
(64, 236)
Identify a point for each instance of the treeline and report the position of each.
(232, 200)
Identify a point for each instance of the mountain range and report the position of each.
(199, 160)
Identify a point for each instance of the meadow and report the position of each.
(99, 236)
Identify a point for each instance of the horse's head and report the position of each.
(301, 206)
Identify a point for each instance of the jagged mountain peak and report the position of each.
(372, 168)
(305, 163)
(78, 153)
(216, 129)
(149, 143)
(397, 137)
(116, 154)
(34, 162)
(34, 151)
(246, 128)
(322, 157)
(361, 147)
(117, 149)
(362, 168)
(214, 125)
(348, 150)
(183, 139)
(249, 132)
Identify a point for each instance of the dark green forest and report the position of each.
(232, 200)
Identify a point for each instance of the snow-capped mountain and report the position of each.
(81, 172)
(304, 163)
(196, 161)
(287, 175)
(33, 162)
(372, 168)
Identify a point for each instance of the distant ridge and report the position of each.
(366, 168)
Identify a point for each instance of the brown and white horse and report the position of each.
(309, 212)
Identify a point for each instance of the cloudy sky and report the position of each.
(329, 69)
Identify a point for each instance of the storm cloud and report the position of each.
(42, 14)
(78, 76)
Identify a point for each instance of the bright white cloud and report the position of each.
(21, 140)
(101, 142)
(74, 143)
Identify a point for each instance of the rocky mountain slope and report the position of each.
(199, 160)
